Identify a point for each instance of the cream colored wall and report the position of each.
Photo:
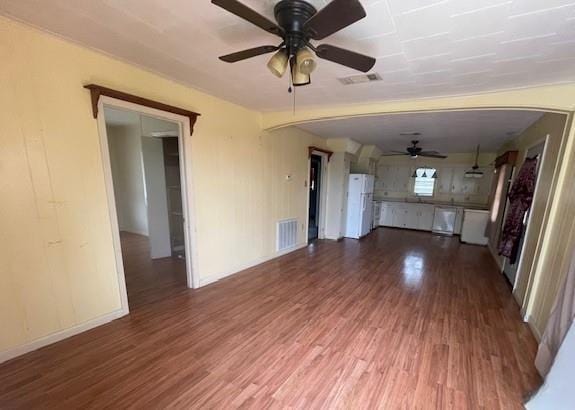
(461, 161)
(550, 241)
(551, 127)
(338, 180)
(57, 265)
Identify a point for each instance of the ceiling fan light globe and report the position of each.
(305, 62)
(278, 63)
(299, 78)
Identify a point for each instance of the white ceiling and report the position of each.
(454, 131)
(424, 48)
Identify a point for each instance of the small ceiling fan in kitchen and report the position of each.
(414, 152)
(297, 24)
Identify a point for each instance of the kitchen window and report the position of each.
(424, 181)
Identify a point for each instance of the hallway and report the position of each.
(400, 319)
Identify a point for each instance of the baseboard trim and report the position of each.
(214, 278)
(60, 335)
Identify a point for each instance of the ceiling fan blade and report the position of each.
(335, 16)
(429, 155)
(243, 11)
(249, 53)
(393, 154)
(345, 57)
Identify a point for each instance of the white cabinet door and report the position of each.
(386, 177)
(401, 182)
(400, 216)
(376, 213)
(412, 216)
(444, 178)
(457, 182)
(426, 217)
(484, 184)
(386, 217)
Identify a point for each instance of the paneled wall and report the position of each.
(548, 246)
(57, 265)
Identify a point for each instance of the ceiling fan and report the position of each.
(414, 151)
(298, 22)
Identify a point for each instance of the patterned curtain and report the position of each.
(520, 198)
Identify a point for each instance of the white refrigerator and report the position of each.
(359, 205)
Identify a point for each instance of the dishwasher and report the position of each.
(444, 220)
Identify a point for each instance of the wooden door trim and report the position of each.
(96, 91)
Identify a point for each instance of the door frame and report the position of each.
(322, 194)
(186, 182)
(528, 229)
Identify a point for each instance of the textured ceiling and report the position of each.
(454, 131)
(424, 48)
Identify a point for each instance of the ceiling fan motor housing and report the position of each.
(291, 16)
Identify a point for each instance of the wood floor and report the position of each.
(399, 319)
(148, 280)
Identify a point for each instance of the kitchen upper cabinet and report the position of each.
(457, 181)
(483, 185)
(386, 176)
(394, 178)
(402, 179)
(444, 179)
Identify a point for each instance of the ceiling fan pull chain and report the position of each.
(294, 101)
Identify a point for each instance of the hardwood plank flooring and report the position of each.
(399, 319)
(148, 280)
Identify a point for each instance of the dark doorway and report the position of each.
(314, 199)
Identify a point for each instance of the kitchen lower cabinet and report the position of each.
(425, 220)
(376, 213)
(400, 216)
(411, 216)
(386, 214)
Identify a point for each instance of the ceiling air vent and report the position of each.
(358, 79)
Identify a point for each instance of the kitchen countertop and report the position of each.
(466, 205)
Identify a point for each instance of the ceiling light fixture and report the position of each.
(297, 77)
(474, 172)
(278, 63)
(298, 24)
(304, 61)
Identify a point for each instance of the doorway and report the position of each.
(147, 197)
(314, 197)
(510, 267)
